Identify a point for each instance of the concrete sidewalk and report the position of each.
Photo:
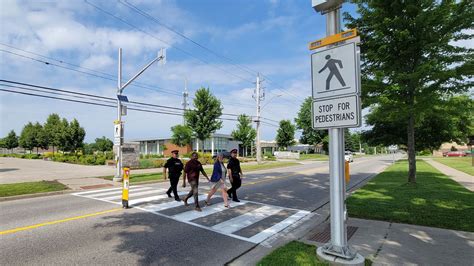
(462, 178)
(402, 244)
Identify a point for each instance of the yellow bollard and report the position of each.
(126, 186)
(346, 172)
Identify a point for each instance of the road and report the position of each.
(91, 228)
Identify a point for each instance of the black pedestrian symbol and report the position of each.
(333, 70)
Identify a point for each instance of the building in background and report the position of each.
(163, 146)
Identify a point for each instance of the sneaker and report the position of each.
(169, 195)
(198, 209)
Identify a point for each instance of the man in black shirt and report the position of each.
(175, 167)
(235, 175)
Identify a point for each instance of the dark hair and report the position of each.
(194, 153)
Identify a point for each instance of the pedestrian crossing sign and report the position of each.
(335, 70)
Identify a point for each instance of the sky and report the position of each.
(73, 45)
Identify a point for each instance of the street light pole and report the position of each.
(118, 141)
(118, 146)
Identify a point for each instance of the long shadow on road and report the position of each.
(158, 240)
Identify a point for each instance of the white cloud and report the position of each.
(98, 62)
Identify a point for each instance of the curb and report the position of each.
(36, 195)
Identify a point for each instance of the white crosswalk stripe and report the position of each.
(246, 220)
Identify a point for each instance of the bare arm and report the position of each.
(230, 174)
(204, 173)
(164, 173)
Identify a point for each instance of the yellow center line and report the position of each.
(11, 231)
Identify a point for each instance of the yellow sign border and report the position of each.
(342, 36)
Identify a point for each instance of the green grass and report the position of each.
(463, 164)
(266, 165)
(435, 200)
(295, 253)
(319, 157)
(7, 190)
(136, 178)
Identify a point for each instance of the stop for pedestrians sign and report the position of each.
(335, 70)
(335, 73)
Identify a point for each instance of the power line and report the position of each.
(146, 15)
(110, 78)
(165, 42)
(232, 62)
(107, 99)
(98, 104)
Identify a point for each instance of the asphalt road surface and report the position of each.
(90, 227)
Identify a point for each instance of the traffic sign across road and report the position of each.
(335, 70)
(337, 112)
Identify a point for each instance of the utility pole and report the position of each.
(118, 137)
(185, 102)
(259, 96)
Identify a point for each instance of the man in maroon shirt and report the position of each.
(191, 171)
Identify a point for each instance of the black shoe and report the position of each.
(177, 199)
(169, 194)
(236, 200)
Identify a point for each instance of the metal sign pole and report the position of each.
(336, 106)
(338, 246)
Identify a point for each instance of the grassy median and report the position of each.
(318, 157)
(435, 200)
(463, 164)
(7, 190)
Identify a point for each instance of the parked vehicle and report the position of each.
(454, 154)
(348, 156)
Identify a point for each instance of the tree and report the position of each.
(303, 122)
(76, 135)
(40, 137)
(54, 130)
(11, 141)
(244, 132)
(349, 143)
(446, 121)
(103, 144)
(285, 134)
(28, 137)
(182, 135)
(411, 61)
(65, 137)
(204, 119)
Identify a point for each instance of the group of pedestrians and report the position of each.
(193, 169)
